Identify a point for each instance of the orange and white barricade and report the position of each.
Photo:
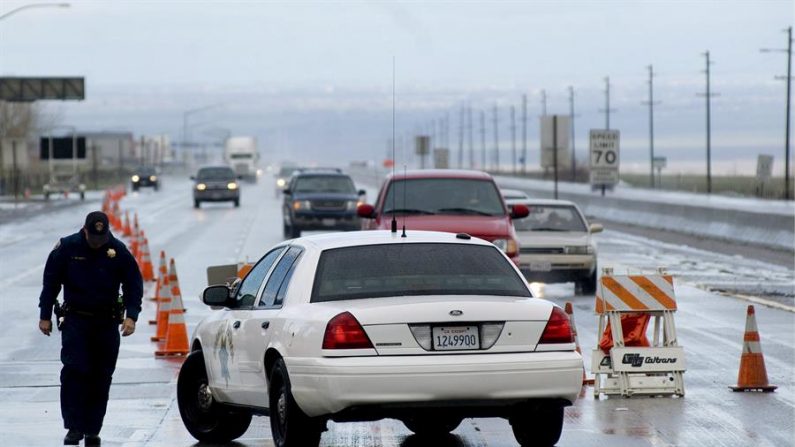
(624, 362)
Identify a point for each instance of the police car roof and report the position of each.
(379, 237)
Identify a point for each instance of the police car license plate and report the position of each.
(328, 222)
(455, 338)
(540, 266)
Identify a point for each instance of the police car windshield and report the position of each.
(551, 218)
(444, 196)
(219, 173)
(390, 270)
(324, 183)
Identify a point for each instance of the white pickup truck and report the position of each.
(241, 154)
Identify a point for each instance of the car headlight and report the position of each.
(353, 204)
(301, 205)
(231, 185)
(508, 246)
(135, 178)
(81, 187)
(579, 250)
(280, 182)
(152, 178)
(201, 187)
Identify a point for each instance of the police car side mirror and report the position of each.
(216, 296)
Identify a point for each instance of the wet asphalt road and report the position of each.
(143, 412)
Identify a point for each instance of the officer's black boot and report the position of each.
(93, 440)
(72, 437)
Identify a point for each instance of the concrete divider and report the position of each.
(749, 222)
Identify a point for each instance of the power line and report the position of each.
(607, 110)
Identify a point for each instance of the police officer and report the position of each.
(91, 265)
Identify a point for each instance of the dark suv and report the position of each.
(320, 200)
(215, 184)
(144, 176)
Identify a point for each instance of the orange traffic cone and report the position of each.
(752, 375)
(570, 312)
(134, 241)
(127, 231)
(162, 269)
(147, 270)
(176, 336)
(176, 293)
(163, 310)
(116, 220)
(163, 295)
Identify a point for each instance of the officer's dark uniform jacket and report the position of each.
(91, 278)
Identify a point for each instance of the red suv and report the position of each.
(446, 200)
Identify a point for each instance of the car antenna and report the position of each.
(405, 187)
(394, 221)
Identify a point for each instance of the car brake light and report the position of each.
(345, 332)
(558, 328)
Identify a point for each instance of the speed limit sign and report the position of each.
(604, 157)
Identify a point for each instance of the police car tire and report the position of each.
(540, 427)
(218, 424)
(290, 426)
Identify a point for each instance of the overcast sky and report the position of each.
(305, 75)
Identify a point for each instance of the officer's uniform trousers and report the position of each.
(89, 347)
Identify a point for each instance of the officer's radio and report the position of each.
(59, 314)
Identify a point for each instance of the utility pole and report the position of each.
(513, 139)
(496, 141)
(708, 94)
(573, 150)
(543, 102)
(461, 139)
(788, 78)
(483, 139)
(607, 110)
(469, 135)
(651, 103)
(555, 150)
(524, 134)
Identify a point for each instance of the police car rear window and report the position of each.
(389, 270)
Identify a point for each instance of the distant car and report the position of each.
(446, 200)
(215, 184)
(283, 178)
(320, 200)
(513, 196)
(429, 329)
(144, 176)
(556, 244)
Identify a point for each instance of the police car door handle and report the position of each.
(236, 324)
(265, 324)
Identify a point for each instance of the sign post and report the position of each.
(604, 149)
(764, 169)
(659, 163)
(555, 140)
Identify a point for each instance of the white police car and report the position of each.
(428, 329)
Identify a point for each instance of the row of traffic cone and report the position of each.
(171, 331)
(752, 375)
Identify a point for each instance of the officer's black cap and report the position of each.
(97, 227)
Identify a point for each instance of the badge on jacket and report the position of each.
(111, 253)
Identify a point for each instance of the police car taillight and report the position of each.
(344, 332)
(558, 329)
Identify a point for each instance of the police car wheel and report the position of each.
(206, 419)
(289, 425)
(537, 427)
